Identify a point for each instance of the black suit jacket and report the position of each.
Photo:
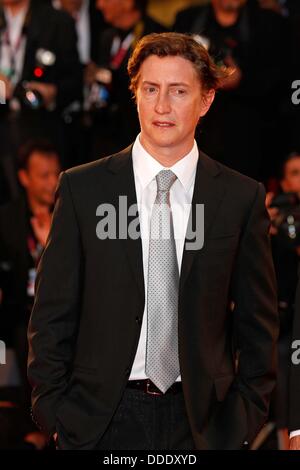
(15, 261)
(86, 322)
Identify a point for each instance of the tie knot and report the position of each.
(165, 179)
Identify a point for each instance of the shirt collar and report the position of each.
(16, 20)
(146, 167)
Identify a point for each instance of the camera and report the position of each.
(287, 222)
(100, 91)
(25, 96)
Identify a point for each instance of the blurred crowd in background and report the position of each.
(66, 102)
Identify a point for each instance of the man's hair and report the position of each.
(176, 44)
(291, 156)
(35, 145)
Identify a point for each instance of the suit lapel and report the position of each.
(208, 190)
(121, 165)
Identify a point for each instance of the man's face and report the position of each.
(71, 6)
(169, 102)
(228, 5)
(291, 180)
(40, 178)
(113, 10)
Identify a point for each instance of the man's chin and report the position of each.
(47, 202)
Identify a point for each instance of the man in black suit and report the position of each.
(125, 353)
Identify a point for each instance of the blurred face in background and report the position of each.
(7, 3)
(114, 10)
(40, 177)
(72, 6)
(228, 5)
(291, 180)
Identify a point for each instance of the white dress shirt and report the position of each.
(145, 169)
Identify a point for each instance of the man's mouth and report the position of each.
(163, 124)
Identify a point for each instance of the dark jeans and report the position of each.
(147, 422)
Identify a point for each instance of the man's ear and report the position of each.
(23, 178)
(207, 99)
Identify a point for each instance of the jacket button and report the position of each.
(127, 371)
(138, 320)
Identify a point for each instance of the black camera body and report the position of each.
(287, 222)
(24, 95)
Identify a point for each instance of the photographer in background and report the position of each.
(88, 22)
(24, 228)
(243, 129)
(40, 67)
(284, 211)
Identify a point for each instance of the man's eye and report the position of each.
(150, 89)
(179, 91)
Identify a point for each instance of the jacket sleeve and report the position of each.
(256, 322)
(55, 315)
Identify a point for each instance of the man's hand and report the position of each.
(41, 224)
(8, 86)
(233, 80)
(37, 439)
(272, 211)
(90, 73)
(47, 90)
(295, 443)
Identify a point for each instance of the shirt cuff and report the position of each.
(295, 433)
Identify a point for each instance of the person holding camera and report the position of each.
(24, 227)
(40, 68)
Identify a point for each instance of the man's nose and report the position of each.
(162, 104)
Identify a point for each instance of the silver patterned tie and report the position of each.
(162, 362)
